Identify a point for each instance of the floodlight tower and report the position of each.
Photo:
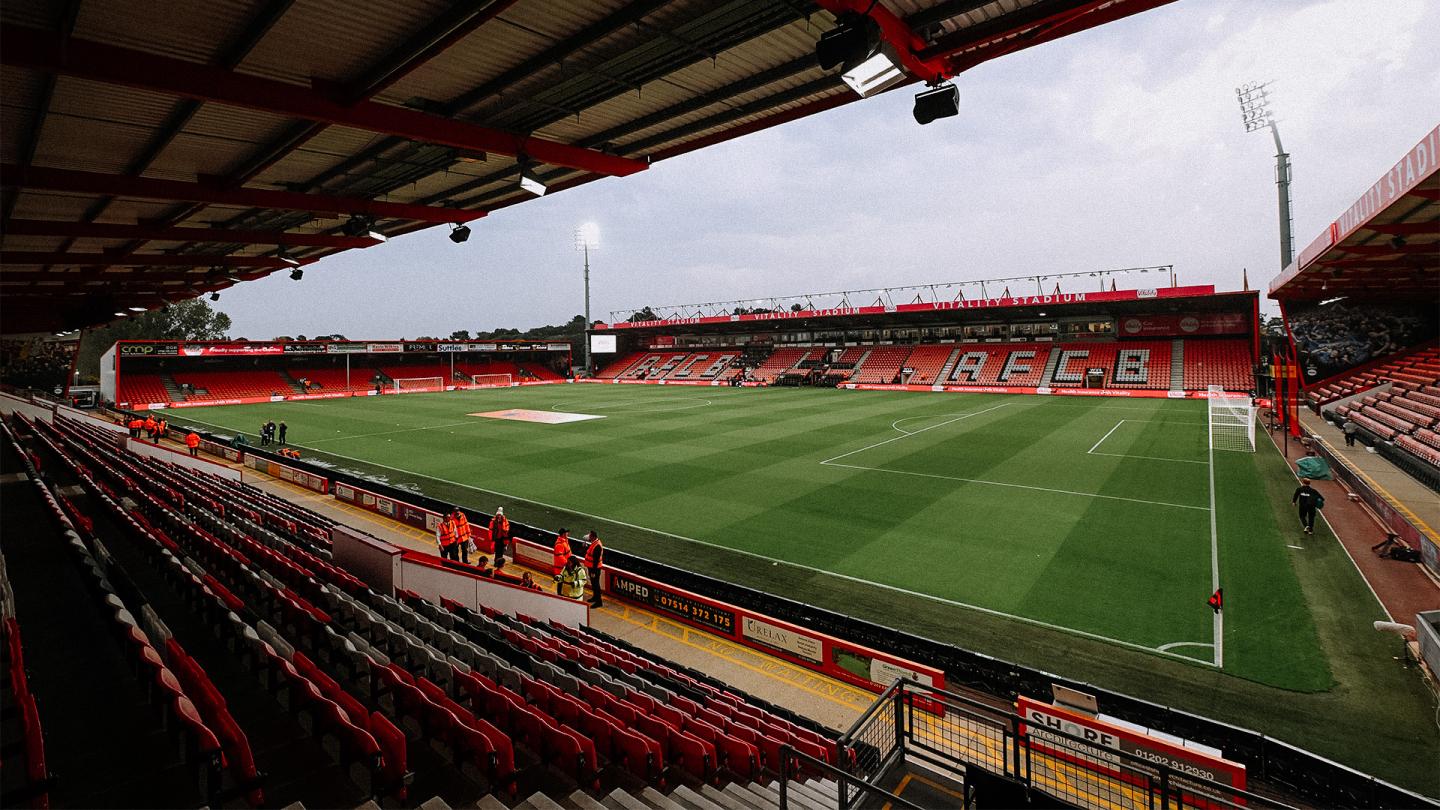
(587, 238)
(1256, 114)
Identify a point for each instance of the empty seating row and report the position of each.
(141, 390)
(201, 386)
(1223, 362)
(35, 788)
(469, 682)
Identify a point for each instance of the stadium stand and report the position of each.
(619, 366)
(142, 389)
(418, 370)
(1419, 366)
(1019, 364)
(929, 363)
(384, 683)
(709, 364)
(212, 385)
(329, 380)
(779, 361)
(539, 371)
(882, 365)
(1129, 364)
(1218, 362)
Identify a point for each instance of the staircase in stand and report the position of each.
(293, 383)
(861, 362)
(1177, 365)
(1050, 365)
(944, 375)
(172, 388)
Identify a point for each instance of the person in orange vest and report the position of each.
(150, 425)
(462, 534)
(135, 425)
(162, 429)
(562, 551)
(445, 538)
(594, 560)
(499, 534)
(192, 441)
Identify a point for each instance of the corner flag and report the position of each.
(1216, 600)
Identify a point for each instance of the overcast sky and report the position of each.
(1117, 147)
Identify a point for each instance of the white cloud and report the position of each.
(1115, 147)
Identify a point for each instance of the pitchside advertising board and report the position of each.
(831, 656)
(1102, 735)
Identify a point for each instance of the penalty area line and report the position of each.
(801, 566)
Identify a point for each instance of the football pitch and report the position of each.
(1109, 519)
(1079, 536)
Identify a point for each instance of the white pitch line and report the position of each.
(1174, 644)
(1106, 436)
(1016, 486)
(1217, 626)
(1148, 458)
(914, 433)
(387, 432)
(859, 580)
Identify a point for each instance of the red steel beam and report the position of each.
(39, 50)
(99, 230)
(145, 260)
(69, 180)
(897, 32)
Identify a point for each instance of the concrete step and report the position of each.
(620, 800)
(580, 800)
(656, 799)
(539, 801)
(489, 802)
(728, 801)
(688, 797)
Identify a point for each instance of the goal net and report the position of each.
(490, 380)
(407, 385)
(1232, 421)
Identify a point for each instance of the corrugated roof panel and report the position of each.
(336, 40)
(50, 205)
(165, 28)
(108, 103)
(69, 142)
(32, 13)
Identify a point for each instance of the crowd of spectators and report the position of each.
(1340, 336)
(35, 363)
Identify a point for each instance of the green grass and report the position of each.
(1004, 524)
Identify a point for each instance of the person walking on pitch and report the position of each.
(1308, 501)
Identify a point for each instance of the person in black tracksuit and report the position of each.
(1308, 501)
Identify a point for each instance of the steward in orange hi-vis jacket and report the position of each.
(446, 538)
(499, 534)
(562, 551)
(462, 534)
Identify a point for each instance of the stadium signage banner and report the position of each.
(304, 348)
(837, 658)
(393, 509)
(383, 348)
(224, 451)
(672, 602)
(451, 347)
(1041, 719)
(345, 348)
(1226, 323)
(770, 635)
(420, 347)
(286, 473)
(149, 349)
(938, 306)
(230, 349)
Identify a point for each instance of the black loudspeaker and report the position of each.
(938, 102)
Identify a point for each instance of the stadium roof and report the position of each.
(882, 312)
(153, 152)
(1385, 245)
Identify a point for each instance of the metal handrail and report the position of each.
(787, 754)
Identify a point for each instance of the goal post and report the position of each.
(1232, 421)
(490, 380)
(409, 385)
